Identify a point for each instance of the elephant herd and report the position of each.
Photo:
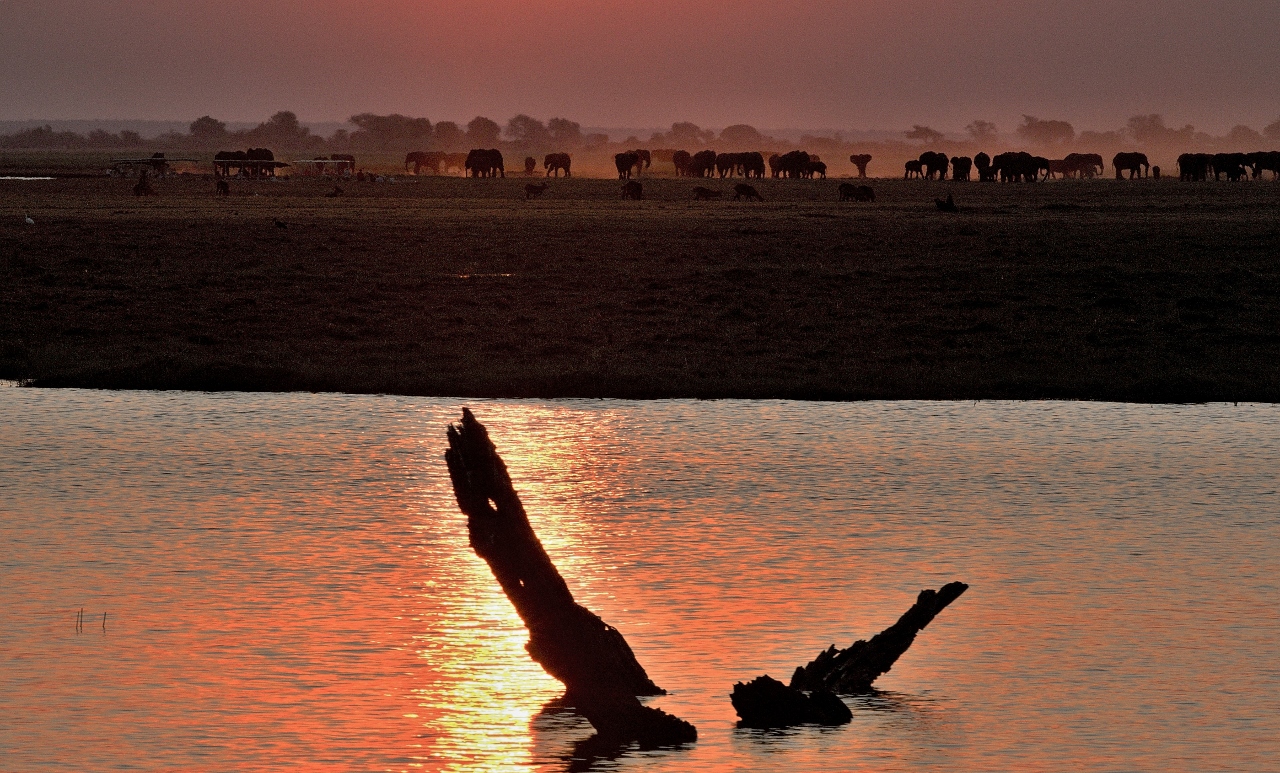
(254, 163)
(1012, 167)
(1197, 167)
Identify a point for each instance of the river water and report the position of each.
(287, 582)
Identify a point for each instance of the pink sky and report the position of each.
(817, 63)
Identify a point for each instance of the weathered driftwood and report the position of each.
(766, 702)
(600, 672)
(853, 670)
(811, 697)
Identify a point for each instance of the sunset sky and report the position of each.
(815, 64)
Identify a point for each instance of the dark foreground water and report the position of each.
(287, 581)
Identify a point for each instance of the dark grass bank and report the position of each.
(1145, 291)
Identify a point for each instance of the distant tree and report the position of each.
(1272, 131)
(595, 141)
(449, 136)
(685, 133)
(207, 129)
(742, 135)
(101, 138)
(1245, 138)
(1038, 132)
(527, 132)
(130, 139)
(282, 130)
(924, 134)
(982, 131)
(565, 133)
(394, 132)
(1150, 129)
(482, 132)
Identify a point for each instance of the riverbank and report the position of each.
(1150, 291)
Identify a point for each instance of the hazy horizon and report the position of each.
(872, 64)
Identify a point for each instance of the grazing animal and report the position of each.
(851, 192)
(1135, 163)
(632, 190)
(530, 165)
(794, 164)
(333, 194)
(861, 160)
(744, 191)
(752, 164)
(960, 168)
(1059, 167)
(532, 191)
(948, 205)
(1267, 161)
(914, 168)
(726, 164)
(816, 169)
(1230, 164)
(1194, 167)
(143, 188)
(705, 194)
(934, 164)
(555, 163)
(485, 163)
(683, 163)
(224, 188)
(1016, 167)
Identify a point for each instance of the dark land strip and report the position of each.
(1145, 291)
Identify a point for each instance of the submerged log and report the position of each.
(591, 658)
(812, 694)
(853, 670)
(765, 702)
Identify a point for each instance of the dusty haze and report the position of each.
(821, 63)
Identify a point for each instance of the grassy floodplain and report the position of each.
(1144, 290)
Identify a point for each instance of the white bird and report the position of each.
(29, 221)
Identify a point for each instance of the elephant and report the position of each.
(1042, 166)
(985, 172)
(851, 192)
(223, 160)
(1230, 164)
(751, 164)
(423, 160)
(346, 163)
(961, 166)
(1194, 167)
(861, 160)
(636, 160)
(934, 164)
(794, 164)
(633, 190)
(1017, 167)
(726, 164)
(748, 192)
(1268, 161)
(1135, 163)
(682, 161)
(262, 163)
(530, 166)
(815, 169)
(704, 194)
(913, 168)
(554, 163)
(703, 164)
(1087, 165)
(485, 163)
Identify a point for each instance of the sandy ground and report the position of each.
(1144, 290)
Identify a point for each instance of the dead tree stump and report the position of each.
(591, 658)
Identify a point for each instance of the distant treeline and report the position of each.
(398, 133)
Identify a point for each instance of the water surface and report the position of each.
(287, 580)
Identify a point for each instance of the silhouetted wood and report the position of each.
(853, 670)
(600, 673)
(766, 702)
